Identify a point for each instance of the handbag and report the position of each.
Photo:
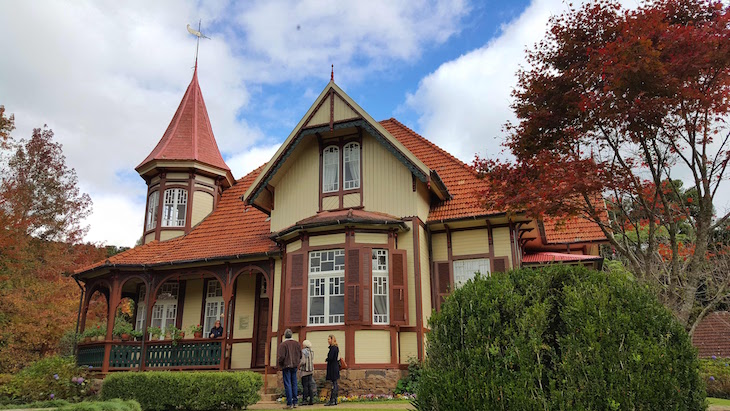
(343, 364)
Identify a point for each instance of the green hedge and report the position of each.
(192, 391)
(560, 338)
(111, 405)
(716, 374)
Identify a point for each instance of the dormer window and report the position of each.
(176, 201)
(152, 204)
(331, 166)
(351, 166)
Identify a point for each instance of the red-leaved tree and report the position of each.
(623, 104)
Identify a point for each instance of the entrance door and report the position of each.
(262, 318)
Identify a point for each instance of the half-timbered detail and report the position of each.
(355, 228)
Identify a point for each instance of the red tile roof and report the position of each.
(458, 177)
(189, 135)
(549, 257)
(712, 335)
(231, 230)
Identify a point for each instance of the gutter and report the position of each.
(298, 227)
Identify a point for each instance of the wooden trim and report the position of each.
(161, 204)
(202, 304)
(181, 286)
(471, 257)
(417, 278)
(189, 204)
(450, 257)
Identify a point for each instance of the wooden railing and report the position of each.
(159, 355)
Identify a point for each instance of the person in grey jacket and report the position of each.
(306, 367)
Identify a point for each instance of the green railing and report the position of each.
(91, 355)
(184, 354)
(125, 355)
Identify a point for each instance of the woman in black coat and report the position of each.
(333, 368)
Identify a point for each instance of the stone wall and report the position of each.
(357, 382)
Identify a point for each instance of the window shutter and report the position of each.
(353, 299)
(367, 282)
(296, 276)
(443, 282)
(398, 289)
(499, 265)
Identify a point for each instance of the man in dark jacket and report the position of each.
(288, 356)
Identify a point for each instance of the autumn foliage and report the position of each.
(41, 213)
(629, 105)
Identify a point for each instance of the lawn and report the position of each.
(718, 401)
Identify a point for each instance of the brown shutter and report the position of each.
(398, 289)
(296, 304)
(353, 300)
(367, 281)
(443, 282)
(499, 264)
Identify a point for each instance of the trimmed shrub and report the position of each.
(192, 391)
(35, 404)
(48, 379)
(559, 338)
(716, 374)
(111, 405)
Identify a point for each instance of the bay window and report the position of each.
(331, 168)
(326, 287)
(175, 207)
(152, 204)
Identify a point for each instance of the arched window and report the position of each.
(152, 204)
(351, 166)
(331, 168)
(176, 201)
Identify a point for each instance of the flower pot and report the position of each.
(198, 334)
(125, 337)
(182, 334)
(87, 339)
(167, 336)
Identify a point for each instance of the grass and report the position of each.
(718, 401)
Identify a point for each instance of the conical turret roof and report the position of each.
(189, 135)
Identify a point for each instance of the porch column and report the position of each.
(151, 293)
(227, 299)
(115, 296)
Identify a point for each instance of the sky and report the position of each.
(107, 77)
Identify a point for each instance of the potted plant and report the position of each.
(154, 332)
(88, 334)
(174, 334)
(136, 335)
(197, 330)
(100, 332)
(122, 329)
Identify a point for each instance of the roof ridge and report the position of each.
(433, 145)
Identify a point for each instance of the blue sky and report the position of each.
(107, 76)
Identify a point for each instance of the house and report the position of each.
(355, 227)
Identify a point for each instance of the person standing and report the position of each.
(289, 355)
(333, 368)
(306, 365)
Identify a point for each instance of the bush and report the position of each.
(716, 374)
(409, 384)
(193, 391)
(35, 404)
(49, 378)
(558, 338)
(111, 405)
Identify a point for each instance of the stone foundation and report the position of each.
(356, 382)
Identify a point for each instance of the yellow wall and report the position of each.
(408, 346)
(245, 304)
(149, 237)
(387, 183)
(272, 352)
(372, 347)
(202, 206)
(177, 176)
(241, 355)
(502, 246)
(277, 294)
(439, 247)
(470, 242)
(204, 179)
(371, 238)
(170, 234)
(351, 200)
(405, 242)
(425, 276)
(327, 239)
(192, 306)
(320, 346)
(293, 246)
(331, 203)
(297, 190)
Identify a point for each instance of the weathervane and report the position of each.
(197, 34)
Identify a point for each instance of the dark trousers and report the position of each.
(333, 394)
(290, 385)
(309, 389)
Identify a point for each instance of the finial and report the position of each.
(332, 75)
(197, 34)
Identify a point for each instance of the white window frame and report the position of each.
(214, 306)
(164, 311)
(351, 154)
(176, 200)
(381, 284)
(326, 283)
(153, 203)
(464, 270)
(331, 159)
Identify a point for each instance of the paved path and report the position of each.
(272, 405)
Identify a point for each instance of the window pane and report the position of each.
(337, 305)
(351, 166)
(464, 270)
(316, 306)
(331, 165)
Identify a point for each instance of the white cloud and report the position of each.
(243, 163)
(116, 220)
